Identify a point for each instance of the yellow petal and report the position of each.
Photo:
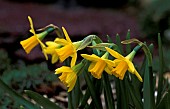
(66, 35)
(43, 49)
(97, 70)
(61, 41)
(72, 84)
(115, 54)
(138, 76)
(31, 25)
(51, 43)
(73, 60)
(92, 57)
(54, 58)
(109, 62)
(65, 52)
(120, 69)
(108, 69)
(63, 69)
(91, 66)
(131, 66)
(117, 61)
(29, 44)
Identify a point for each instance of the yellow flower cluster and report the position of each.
(62, 48)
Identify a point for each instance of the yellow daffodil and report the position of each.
(68, 49)
(69, 75)
(51, 49)
(123, 64)
(99, 64)
(34, 40)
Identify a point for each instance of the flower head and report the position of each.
(123, 64)
(51, 49)
(68, 49)
(34, 40)
(99, 64)
(69, 75)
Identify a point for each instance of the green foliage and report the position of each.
(4, 60)
(27, 77)
(41, 100)
(21, 77)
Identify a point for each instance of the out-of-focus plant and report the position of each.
(28, 77)
(135, 86)
(4, 60)
(155, 19)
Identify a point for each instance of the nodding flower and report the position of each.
(124, 63)
(99, 64)
(31, 42)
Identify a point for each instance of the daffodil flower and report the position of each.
(51, 49)
(68, 49)
(69, 75)
(123, 64)
(99, 64)
(34, 40)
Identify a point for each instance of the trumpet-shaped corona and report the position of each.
(99, 64)
(30, 43)
(69, 75)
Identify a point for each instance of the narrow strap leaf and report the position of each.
(92, 89)
(46, 103)
(160, 83)
(17, 97)
(108, 91)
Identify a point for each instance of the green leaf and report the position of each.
(17, 96)
(148, 93)
(86, 96)
(92, 88)
(46, 103)
(76, 94)
(108, 92)
(161, 64)
(134, 96)
(118, 42)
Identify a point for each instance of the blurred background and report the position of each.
(144, 18)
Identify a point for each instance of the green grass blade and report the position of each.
(76, 94)
(148, 93)
(70, 103)
(46, 103)
(17, 97)
(86, 96)
(95, 98)
(160, 83)
(118, 42)
(124, 94)
(108, 91)
(134, 96)
(165, 101)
